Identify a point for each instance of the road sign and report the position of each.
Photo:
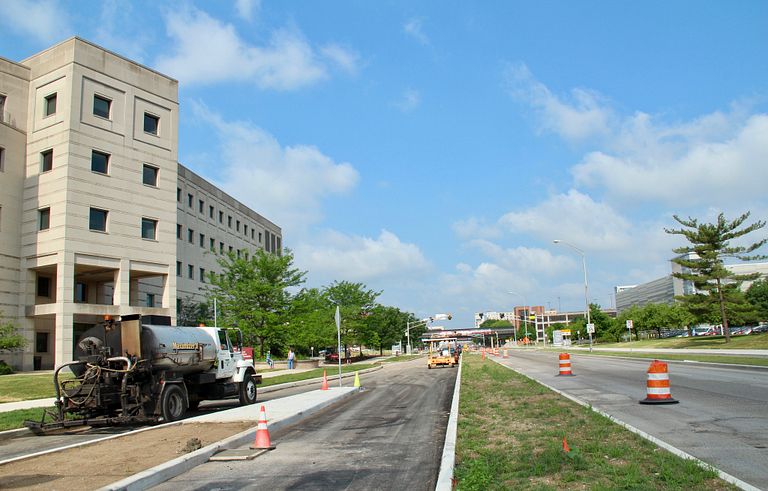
(590, 328)
(629, 324)
(566, 332)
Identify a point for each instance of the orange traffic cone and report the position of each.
(325, 381)
(505, 353)
(565, 445)
(658, 385)
(565, 365)
(262, 433)
(483, 354)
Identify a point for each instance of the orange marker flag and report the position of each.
(565, 445)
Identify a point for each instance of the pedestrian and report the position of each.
(348, 355)
(270, 361)
(291, 358)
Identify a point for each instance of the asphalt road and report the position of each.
(388, 437)
(17, 447)
(722, 416)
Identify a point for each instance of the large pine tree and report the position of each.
(710, 245)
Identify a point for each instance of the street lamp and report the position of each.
(586, 287)
(526, 314)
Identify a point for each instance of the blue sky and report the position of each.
(435, 150)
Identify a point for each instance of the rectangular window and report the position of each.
(178, 268)
(2, 155)
(150, 175)
(43, 286)
(202, 240)
(151, 124)
(210, 211)
(190, 236)
(101, 106)
(245, 230)
(229, 221)
(44, 219)
(98, 220)
(178, 230)
(178, 195)
(201, 206)
(150, 300)
(213, 244)
(278, 245)
(46, 161)
(252, 232)
(231, 248)
(202, 275)
(259, 237)
(191, 272)
(221, 246)
(190, 199)
(81, 292)
(50, 105)
(41, 342)
(238, 226)
(148, 228)
(99, 162)
(221, 217)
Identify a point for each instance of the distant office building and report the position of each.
(97, 217)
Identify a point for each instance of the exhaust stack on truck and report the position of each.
(143, 370)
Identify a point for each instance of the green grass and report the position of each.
(10, 420)
(14, 388)
(751, 341)
(731, 360)
(400, 358)
(510, 436)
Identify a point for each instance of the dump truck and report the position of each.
(143, 370)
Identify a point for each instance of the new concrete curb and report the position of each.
(445, 477)
(163, 472)
(666, 446)
(309, 381)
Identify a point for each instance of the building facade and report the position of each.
(92, 199)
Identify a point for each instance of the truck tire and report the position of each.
(173, 405)
(247, 390)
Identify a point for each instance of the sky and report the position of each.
(433, 151)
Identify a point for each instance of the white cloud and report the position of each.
(522, 260)
(113, 33)
(410, 101)
(246, 8)
(585, 116)
(476, 228)
(344, 58)
(43, 20)
(413, 28)
(207, 50)
(286, 184)
(334, 255)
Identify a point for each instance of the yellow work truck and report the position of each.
(443, 352)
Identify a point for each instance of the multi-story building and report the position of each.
(96, 213)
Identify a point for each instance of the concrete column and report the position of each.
(63, 341)
(122, 295)
(65, 299)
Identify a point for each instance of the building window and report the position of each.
(278, 245)
(50, 105)
(43, 286)
(81, 292)
(210, 211)
(221, 217)
(41, 342)
(245, 230)
(191, 271)
(252, 233)
(99, 162)
(190, 199)
(178, 268)
(98, 220)
(231, 248)
(101, 106)
(44, 219)
(229, 221)
(238, 226)
(178, 230)
(150, 300)
(178, 195)
(202, 275)
(2, 156)
(190, 236)
(151, 124)
(259, 237)
(202, 240)
(213, 244)
(148, 228)
(201, 206)
(221, 246)
(150, 175)
(46, 161)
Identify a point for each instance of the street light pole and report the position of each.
(586, 287)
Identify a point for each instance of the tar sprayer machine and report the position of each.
(143, 370)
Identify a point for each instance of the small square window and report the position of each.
(210, 211)
(81, 292)
(98, 220)
(46, 161)
(41, 342)
(231, 248)
(191, 272)
(201, 206)
(178, 268)
(43, 286)
(150, 300)
(202, 275)
(101, 106)
(50, 105)
(202, 240)
(44, 219)
(99, 162)
(190, 236)
(148, 228)
(150, 175)
(151, 123)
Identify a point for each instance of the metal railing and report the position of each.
(7, 118)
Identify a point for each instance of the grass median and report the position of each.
(511, 432)
(729, 360)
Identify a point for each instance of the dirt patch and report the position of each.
(93, 466)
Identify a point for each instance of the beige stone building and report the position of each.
(97, 217)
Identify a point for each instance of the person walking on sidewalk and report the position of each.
(291, 358)
(270, 361)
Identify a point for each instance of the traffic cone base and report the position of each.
(262, 433)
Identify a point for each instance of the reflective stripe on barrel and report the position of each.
(565, 364)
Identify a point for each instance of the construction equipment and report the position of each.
(443, 352)
(143, 370)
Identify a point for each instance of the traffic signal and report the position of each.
(449, 316)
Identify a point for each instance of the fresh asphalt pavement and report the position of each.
(721, 417)
(389, 436)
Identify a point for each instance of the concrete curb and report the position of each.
(666, 446)
(163, 472)
(309, 381)
(669, 362)
(445, 477)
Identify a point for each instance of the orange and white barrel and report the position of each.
(565, 365)
(505, 353)
(657, 386)
(495, 351)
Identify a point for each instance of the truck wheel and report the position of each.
(247, 390)
(172, 403)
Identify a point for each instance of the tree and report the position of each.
(355, 304)
(193, 313)
(252, 294)
(711, 243)
(602, 321)
(757, 295)
(10, 340)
